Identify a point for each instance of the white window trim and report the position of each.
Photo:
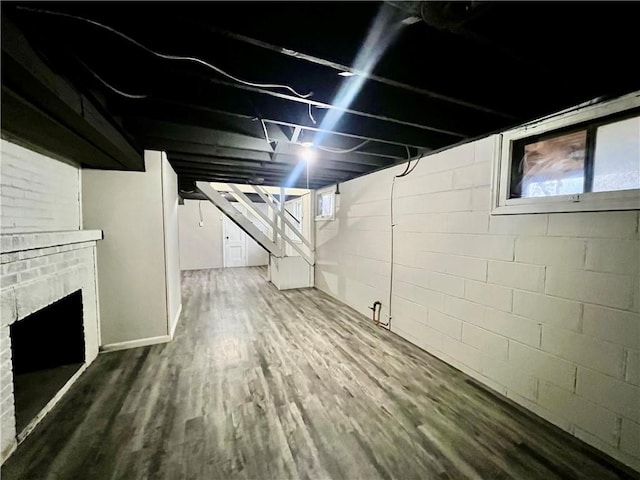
(332, 216)
(586, 202)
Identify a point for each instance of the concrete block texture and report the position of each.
(544, 308)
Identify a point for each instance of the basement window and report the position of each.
(325, 205)
(587, 159)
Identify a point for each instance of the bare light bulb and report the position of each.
(308, 153)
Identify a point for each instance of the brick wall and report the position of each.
(43, 258)
(541, 308)
(37, 193)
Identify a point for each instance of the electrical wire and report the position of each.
(337, 150)
(311, 115)
(108, 85)
(200, 211)
(166, 56)
(407, 171)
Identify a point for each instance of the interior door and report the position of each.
(235, 244)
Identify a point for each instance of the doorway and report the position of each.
(234, 242)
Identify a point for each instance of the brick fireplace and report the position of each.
(38, 270)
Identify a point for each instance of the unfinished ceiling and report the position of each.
(234, 91)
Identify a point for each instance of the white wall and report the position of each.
(541, 308)
(171, 242)
(37, 193)
(202, 247)
(132, 266)
(256, 255)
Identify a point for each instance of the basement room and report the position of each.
(320, 240)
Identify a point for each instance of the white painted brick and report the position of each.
(408, 291)
(613, 255)
(484, 149)
(417, 332)
(610, 393)
(480, 199)
(587, 351)
(594, 224)
(406, 308)
(415, 276)
(444, 243)
(381, 248)
(518, 224)
(429, 338)
(517, 275)
(512, 378)
(511, 326)
(420, 184)
(630, 437)
(467, 267)
(435, 262)
(462, 353)
(447, 160)
(476, 175)
(420, 222)
(543, 365)
(380, 223)
(593, 287)
(451, 201)
(632, 367)
(497, 247)
(7, 307)
(407, 205)
(487, 342)
(564, 252)
(464, 310)
(617, 326)
(52, 186)
(579, 411)
(444, 323)
(8, 428)
(368, 209)
(552, 311)
(446, 284)
(487, 294)
(468, 222)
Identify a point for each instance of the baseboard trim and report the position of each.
(175, 322)
(143, 342)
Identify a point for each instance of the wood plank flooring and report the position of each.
(261, 384)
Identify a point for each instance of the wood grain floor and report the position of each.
(261, 384)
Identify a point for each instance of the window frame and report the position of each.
(587, 116)
(319, 194)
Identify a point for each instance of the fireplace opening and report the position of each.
(47, 348)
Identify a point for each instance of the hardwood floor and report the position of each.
(261, 384)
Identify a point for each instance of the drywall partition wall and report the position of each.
(541, 308)
(171, 242)
(132, 268)
(37, 193)
(200, 246)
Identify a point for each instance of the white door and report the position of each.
(235, 244)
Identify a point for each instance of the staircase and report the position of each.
(285, 271)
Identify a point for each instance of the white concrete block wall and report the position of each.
(541, 308)
(37, 193)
